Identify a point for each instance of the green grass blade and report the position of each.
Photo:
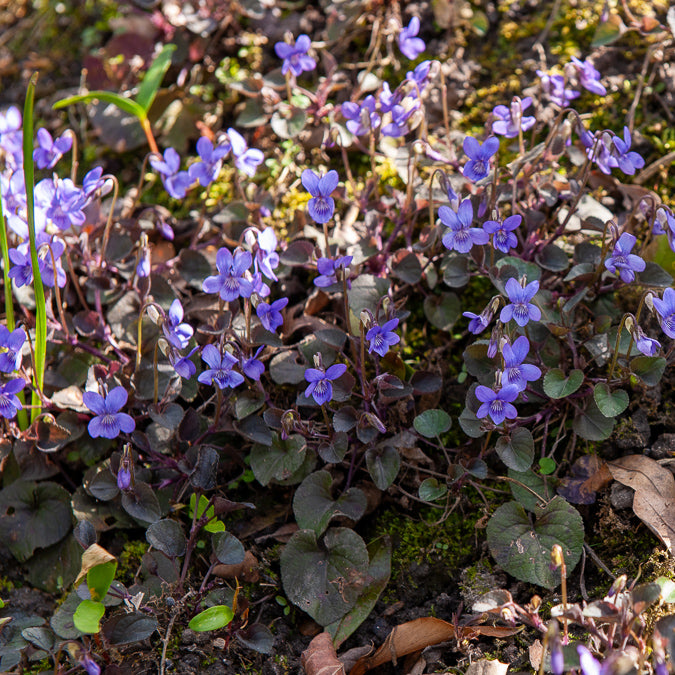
(122, 103)
(40, 305)
(9, 303)
(153, 77)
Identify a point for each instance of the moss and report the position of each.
(130, 560)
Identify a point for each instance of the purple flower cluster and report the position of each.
(510, 121)
(296, 60)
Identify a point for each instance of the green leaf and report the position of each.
(153, 77)
(536, 483)
(167, 536)
(432, 423)
(524, 550)
(608, 31)
(125, 104)
(610, 403)
(33, 515)
(278, 461)
(383, 463)
(141, 503)
(517, 450)
(99, 579)
(430, 490)
(455, 270)
(288, 126)
(324, 579)
(547, 466)
(552, 258)
(213, 525)
(654, 275)
(648, 368)
(314, 506)
(228, 549)
(124, 629)
(442, 310)
(377, 577)
(556, 385)
(88, 615)
(592, 425)
(212, 618)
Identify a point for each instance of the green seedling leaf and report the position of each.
(213, 525)
(430, 490)
(648, 368)
(167, 536)
(610, 403)
(383, 463)
(547, 466)
(278, 461)
(314, 506)
(592, 425)
(124, 629)
(432, 423)
(324, 578)
(228, 549)
(33, 515)
(125, 104)
(524, 550)
(377, 577)
(517, 450)
(99, 579)
(153, 77)
(88, 615)
(212, 618)
(557, 385)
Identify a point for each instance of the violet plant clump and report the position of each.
(494, 313)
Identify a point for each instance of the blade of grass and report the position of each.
(38, 289)
(22, 418)
(153, 77)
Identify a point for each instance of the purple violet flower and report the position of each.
(175, 182)
(13, 190)
(328, 269)
(93, 181)
(178, 334)
(382, 337)
(599, 150)
(246, 159)
(220, 373)
(361, 119)
(320, 387)
(664, 223)
(503, 238)
(10, 360)
(589, 77)
(398, 126)
(387, 98)
(270, 314)
(479, 322)
(295, 56)
(62, 201)
(266, 256)
(419, 76)
(50, 151)
(408, 42)
(11, 135)
(210, 162)
(588, 663)
(123, 478)
(623, 157)
(22, 268)
(510, 120)
(516, 372)
(479, 156)
(665, 309)
(648, 346)
(461, 236)
(9, 402)
(497, 404)
(252, 367)
(623, 261)
(183, 365)
(554, 86)
(520, 308)
(50, 250)
(108, 421)
(230, 281)
(321, 206)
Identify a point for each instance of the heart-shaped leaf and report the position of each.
(88, 615)
(314, 506)
(123, 629)
(167, 536)
(383, 463)
(517, 449)
(524, 550)
(324, 578)
(278, 461)
(432, 423)
(557, 385)
(228, 549)
(610, 403)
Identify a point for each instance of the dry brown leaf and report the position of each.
(536, 654)
(654, 497)
(320, 658)
(487, 667)
(247, 570)
(420, 633)
(94, 555)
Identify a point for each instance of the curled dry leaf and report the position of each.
(246, 571)
(420, 633)
(487, 667)
(320, 658)
(654, 501)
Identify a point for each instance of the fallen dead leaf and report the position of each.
(536, 653)
(94, 555)
(247, 570)
(654, 499)
(487, 667)
(320, 658)
(420, 633)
